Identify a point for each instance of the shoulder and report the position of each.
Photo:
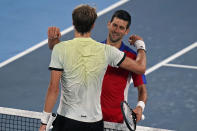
(128, 49)
(63, 43)
(60, 46)
(113, 52)
(99, 44)
(109, 47)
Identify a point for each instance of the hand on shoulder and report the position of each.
(54, 33)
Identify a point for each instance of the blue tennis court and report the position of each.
(169, 29)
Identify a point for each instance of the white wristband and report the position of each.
(45, 117)
(141, 104)
(139, 44)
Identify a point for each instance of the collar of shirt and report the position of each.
(122, 47)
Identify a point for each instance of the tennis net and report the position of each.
(23, 120)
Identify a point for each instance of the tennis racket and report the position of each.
(129, 116)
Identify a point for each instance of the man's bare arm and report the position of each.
(142, 98)
(52, 42)
(51, 97)
(142, 93)
(53, 90)
(138, 66)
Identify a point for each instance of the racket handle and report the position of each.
(51, 119)
(143, 117)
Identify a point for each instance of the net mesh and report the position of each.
(18, 123)
(23, 120)
(19, 120)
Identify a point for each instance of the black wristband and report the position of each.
(43, 123)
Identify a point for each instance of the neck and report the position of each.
(115, 44)
(85, 35)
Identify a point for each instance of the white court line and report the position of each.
(167, 60)
(69, 29)
(172, 57)
(181, 66)
(25, 52)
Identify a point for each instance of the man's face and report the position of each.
(117, 29)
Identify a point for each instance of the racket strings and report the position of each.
(131, 117)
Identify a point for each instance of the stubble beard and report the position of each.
(113, 41)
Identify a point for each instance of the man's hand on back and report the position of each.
(54, 35)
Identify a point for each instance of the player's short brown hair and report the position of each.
(83, 17)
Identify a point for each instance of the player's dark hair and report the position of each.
(84, 17)
(122, 14)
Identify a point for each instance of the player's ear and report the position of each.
(92, 26)
(108, 24)
(127, 31)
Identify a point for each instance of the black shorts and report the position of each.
(62, 123)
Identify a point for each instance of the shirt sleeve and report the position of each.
(56, 59)
(114, 56)
(138, 79)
